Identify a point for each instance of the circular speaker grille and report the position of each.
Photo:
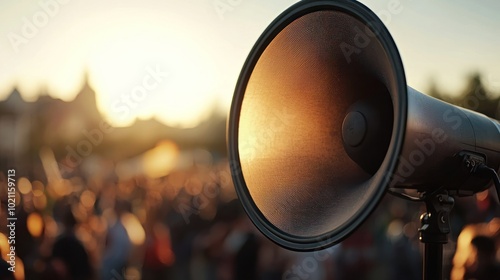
(291, 172)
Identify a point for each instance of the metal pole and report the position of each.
(433, 261)
(434, 231)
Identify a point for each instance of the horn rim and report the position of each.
(312, 243)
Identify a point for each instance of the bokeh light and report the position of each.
(134, 228)
(35, 224)
(24, 185)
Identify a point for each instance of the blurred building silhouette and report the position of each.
(26, 127)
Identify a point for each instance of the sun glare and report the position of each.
(160, 160)
(143, 61)
(153, 71)
(176, 85)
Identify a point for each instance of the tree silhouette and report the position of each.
(474, 97)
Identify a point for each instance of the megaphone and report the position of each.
(322, 125)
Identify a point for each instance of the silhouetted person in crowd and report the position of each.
(69, 259)
(118, 246)
(158, 254)
(246, 247)
(485, 266)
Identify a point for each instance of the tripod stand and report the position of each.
(435, 226)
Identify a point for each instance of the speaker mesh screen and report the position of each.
(289, 139)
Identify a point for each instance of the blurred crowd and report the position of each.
(189, 225)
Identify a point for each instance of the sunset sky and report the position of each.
(184, 57)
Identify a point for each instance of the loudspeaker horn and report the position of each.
(322, 124)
